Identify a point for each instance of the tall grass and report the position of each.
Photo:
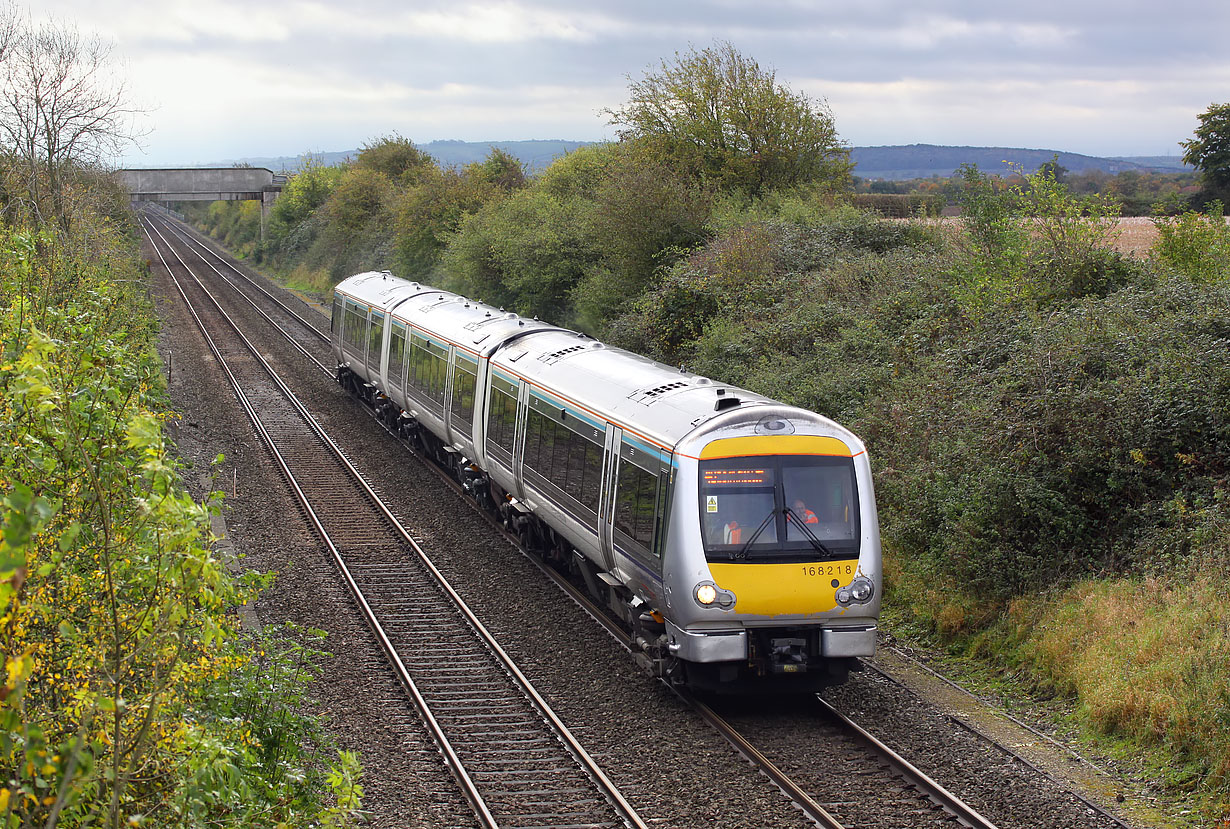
(1148, 660)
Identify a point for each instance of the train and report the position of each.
(735, 537)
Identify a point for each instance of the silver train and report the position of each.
(735, 536)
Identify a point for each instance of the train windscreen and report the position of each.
(779, 507)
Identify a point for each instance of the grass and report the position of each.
(315, 282)
(1148, 659)
(1133, 669)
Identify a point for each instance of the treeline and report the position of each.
(1046, 417)
(1137, 193)
(129, 696)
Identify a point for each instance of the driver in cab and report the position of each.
(800, 512)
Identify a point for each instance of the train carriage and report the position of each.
(737, 536)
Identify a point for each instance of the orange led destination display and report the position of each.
(729, 477)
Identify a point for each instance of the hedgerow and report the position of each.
(129, 695)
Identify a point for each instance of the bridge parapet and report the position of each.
(203, 184)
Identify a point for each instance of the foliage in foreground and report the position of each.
(129, 697)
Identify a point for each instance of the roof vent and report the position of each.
(556, 356)
(648, 396)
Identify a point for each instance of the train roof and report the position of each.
(474, 327)
(662, 403)
(380, 288)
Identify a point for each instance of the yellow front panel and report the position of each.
(799, 589)
(774, 445)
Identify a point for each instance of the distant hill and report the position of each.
(893, 163)
(927, 160)
(1162, 163)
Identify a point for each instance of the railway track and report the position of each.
(903, 794)
(515, 761)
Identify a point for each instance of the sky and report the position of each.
(228, 79)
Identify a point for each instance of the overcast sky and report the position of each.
(225, 79)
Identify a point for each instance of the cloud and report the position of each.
(1095, 117)
(1070, 75)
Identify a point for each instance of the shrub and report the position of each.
(1197, 244)
(117, 636)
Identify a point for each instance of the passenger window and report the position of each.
(636, 497)
(428, 368)
(465, 377)
(502, 419)
(568, 460)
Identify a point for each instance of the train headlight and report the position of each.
(858, 591)
(708, 594)
(861, 589)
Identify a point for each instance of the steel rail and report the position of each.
(628, 813)
(987, 738)
(298, 346)
(955, 806)
(189, 239)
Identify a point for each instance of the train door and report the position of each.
(450, 356)
(462, 395)
(642, 485)
(518, 468)
(336, 320)
(395, 363)
(606, 501)
(375, 339)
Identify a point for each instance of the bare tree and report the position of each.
(63, 107)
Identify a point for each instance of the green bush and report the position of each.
(118, 637)
(1028, 433)
(582, 239)
(1197, 244)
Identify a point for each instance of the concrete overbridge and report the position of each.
(204, 184)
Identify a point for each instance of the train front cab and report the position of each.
(790, 588)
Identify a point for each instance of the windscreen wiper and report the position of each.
(742, 553)
(815, 542)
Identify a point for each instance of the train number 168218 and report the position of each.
(828, 569)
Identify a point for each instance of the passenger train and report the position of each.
(735, 536)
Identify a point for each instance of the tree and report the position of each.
(1209, 151)
(396, 158)
(307, 190)
(722, 116)
(500, 169)
(1054, 170)
(61, 108)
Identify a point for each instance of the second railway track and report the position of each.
(516, 762)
